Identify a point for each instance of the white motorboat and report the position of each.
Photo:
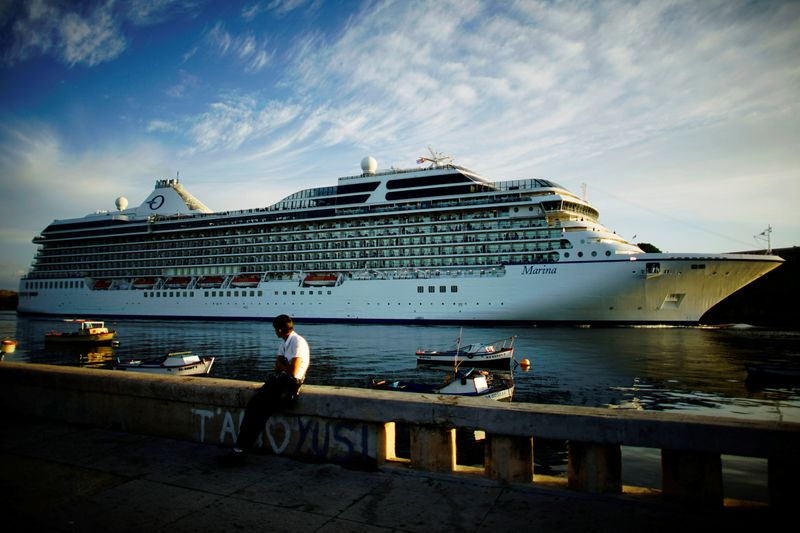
(176, 364)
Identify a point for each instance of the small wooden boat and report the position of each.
(177, 282)
(210, 282)
(89, 332)
(246, 281)
(498, 354)
(479, 383)
(321, 280)
(175, 364)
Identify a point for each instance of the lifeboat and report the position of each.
(177, 282)
(250, 280)
(210, 282)
(144, 283)
(321, 280)
(101, 284)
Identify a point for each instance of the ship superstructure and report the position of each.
(439, 243)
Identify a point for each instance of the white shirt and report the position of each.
(296, 346)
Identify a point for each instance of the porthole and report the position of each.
(608, 253)
(594, 254)
(580, 254)
(566, 254)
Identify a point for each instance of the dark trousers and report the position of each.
(278, 392)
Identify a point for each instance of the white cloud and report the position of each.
(251, 52)
(236, 119)
(91, 40)
(42, 182)
(45, 27)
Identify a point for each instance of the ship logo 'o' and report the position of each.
(156, 202)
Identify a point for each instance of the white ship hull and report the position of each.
(603, 291)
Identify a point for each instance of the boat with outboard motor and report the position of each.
(175, 364)
(497, 354)
(472, 382)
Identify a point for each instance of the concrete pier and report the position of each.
(75, 440)
(62, 477)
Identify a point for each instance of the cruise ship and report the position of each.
(433, 243)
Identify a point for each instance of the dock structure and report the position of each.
(360, 428)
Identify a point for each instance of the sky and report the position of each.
(678, 120)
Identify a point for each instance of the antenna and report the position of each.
(436, 159)
(765, 236)
(583, 191)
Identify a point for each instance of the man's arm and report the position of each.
(282, 364)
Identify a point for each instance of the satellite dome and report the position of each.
(369, 165)
(122, 203)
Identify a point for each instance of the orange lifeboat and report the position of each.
(248, 280)
(101, 284)
(144, 283)
(177, 282)
(210, 282)
(321, 280)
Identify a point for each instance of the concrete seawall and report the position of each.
(356, 426)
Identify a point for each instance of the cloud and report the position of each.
(92, 40)
(83, 33)
(250, 52)
(88, 38)
(236, 119)
(42, 181)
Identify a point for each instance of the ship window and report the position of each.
(301, 293)
(442, 288)
(699, 267)
(284, 293)
(357, 187)
(191, 294)
(236, 294)
(653, 268)
(145, 295)
(431, 289)
(608, 253)
(420, 289)
(252, 293)
(454, 288)
(293, 293)
(329, 292)
(205, 293)
(171, 294)
(229, 293)
(213, 294)
(427, 181)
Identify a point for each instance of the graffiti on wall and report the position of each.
(304, 436)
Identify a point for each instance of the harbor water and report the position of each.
(700, 370)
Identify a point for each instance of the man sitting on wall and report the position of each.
(278, 392)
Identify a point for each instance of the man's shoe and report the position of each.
(232, 458)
